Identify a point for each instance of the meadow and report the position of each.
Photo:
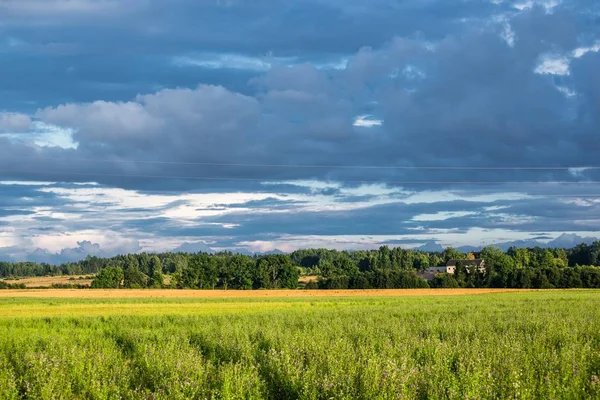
(294, 345)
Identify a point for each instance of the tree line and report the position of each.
(399, 268)
(382, 268)
(200, 271)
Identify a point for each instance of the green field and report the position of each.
(543, 345)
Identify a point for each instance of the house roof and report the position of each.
(477, 262)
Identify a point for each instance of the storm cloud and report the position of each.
(275, 124)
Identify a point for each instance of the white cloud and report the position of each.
(101, 118)
(109, 241)
(107, 209)
(412, 72)
(36, 132)
(188, 119)
(442, 215)
(548, 5)
(370, 189)
(437, 196)
(177, 207)
(579, 52)
(231, 61)
(495, 208)
(249, 63)
(26, 183)
(446, 237)
(8, 238)
(54, 136)
(508, 34)
(566, 91)
(553, 65)
(312, 185)
(577, 172)
(367, 121)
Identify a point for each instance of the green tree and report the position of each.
(157, 279)
(461, 274)
(345, 266)
(155, 265)
(560, 258)
(385, 257)
(521, 256)
(421, 261)
(276, 272)
(242, 269)
(545, 259)
(326, 268)
(408, 260)
(443, 281)
(452, 254)
(144, 264)
(435, 260)
(499, 266)
(108, 278)
(134, 278)
(209, 274)
(187, 278)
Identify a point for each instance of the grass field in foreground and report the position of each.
(543, 344)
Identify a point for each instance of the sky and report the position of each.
(151, 125)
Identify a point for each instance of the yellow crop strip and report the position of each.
(135, 309)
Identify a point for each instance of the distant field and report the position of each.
(48, 281)
(307, 278)
(174, 293)
(146, 344)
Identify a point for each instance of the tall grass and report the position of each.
(523, 345)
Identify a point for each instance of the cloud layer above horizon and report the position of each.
(142, 125)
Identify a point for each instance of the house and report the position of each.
(431, 272)
(450, 266)
(440, 270)
(478, 263)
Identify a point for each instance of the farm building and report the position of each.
(479, 263)
(450, 267)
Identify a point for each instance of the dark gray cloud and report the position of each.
(226, 97)
(112, 50)
(14, 122)
(475, 101)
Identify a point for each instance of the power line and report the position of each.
(267, 180)
(318, 166)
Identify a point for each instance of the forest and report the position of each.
(331, 269)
